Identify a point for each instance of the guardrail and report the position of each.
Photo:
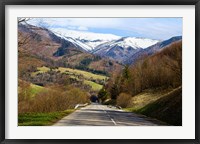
(80, 105)
(111, 106)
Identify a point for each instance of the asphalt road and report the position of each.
(101, 115)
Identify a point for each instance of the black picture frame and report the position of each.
(4, 3)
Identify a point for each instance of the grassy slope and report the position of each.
(84, 73)
(147, 97)
(87, 76)
(74, 72)
(42, 69)
(95, 86)
(41, 119)
(35, 89)
(166, 107)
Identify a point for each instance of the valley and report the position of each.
(58, 69)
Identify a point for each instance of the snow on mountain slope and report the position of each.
(102, 42)
(94, 43)
(85, 35)
(75, 42)
(134, 42)
(122, 48)
(89, 38)
(152, 49)
(126, 42)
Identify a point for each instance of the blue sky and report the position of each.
(154, 28)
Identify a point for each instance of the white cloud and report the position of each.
(71, 27)
(81, 22)
(82, 28)
(159, 28)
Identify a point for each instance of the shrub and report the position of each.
(53, 99)
(123, 100)
(103, 94)
(24, 91)
(76, 96)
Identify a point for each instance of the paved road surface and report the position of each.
(101, 115)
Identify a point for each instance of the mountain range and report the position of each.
(123, 48)
(90, 39)
(55, 50)
(68, 45)
(151, 49)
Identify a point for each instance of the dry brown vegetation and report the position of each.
(27, 63)
(148, 96)
(107, 65)
(124, 100)
(36, 41)
(147, 81)
(54, 98)
(164, 69)
(24, 92)
(57, 52)
(168, 108)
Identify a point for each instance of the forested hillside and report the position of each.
(161, 73)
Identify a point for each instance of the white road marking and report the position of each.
(89, 120)
(108, 116)
(113, 121)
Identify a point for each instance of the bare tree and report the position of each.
(24, 38)
(21, 20)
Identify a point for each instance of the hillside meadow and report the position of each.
(94, 80)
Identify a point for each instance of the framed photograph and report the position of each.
(99, 71)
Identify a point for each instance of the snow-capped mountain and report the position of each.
(122, 48)
(125, 50)
(49, 43)
(90, 39)
(77, 43)
(152, 49)
(133, 42)
(107, 45)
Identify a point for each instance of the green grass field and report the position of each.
(95, 86)
(41, 119)
(73, 73)
(85, 74)
(35, 89)
(41, 70)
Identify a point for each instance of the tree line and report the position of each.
(161, 70)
